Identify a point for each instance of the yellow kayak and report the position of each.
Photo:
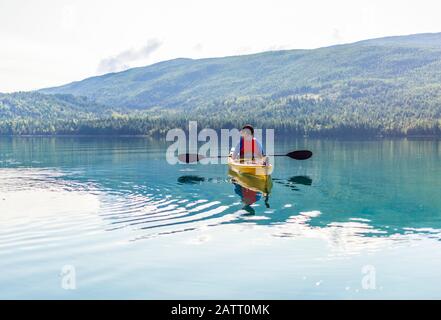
(250, 168)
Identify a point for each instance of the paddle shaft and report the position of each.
(297, 155)
(274, 155)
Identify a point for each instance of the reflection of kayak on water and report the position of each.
(251, 188)
(251, 182)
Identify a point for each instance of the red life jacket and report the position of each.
(242, 147)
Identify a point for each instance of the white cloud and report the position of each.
(123, 60)
(47, 42)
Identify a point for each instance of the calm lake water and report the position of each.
(361, 219)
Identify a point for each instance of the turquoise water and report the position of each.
(359, 220)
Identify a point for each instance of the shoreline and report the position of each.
(282, 137)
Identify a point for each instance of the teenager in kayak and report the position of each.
(249, 148)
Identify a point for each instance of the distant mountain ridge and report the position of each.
(187, 82)
(384, 86)
(422, 40)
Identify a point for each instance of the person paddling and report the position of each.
(248, 147)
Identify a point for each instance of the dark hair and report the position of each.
(248, 126)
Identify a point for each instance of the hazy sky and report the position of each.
(52, 42)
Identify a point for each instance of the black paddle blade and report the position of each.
(190, 157)
(300, 154)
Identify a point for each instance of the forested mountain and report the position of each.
(42, 106)
(382, 64)
(387, 86)
(37, 113)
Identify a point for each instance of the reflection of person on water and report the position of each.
(248, 148)
(248, 197)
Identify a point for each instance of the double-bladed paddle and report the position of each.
(297, 155)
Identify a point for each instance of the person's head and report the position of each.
(247, 131)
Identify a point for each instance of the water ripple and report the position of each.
(43, 206)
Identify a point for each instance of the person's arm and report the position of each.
(236, 152)
(260, 152)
